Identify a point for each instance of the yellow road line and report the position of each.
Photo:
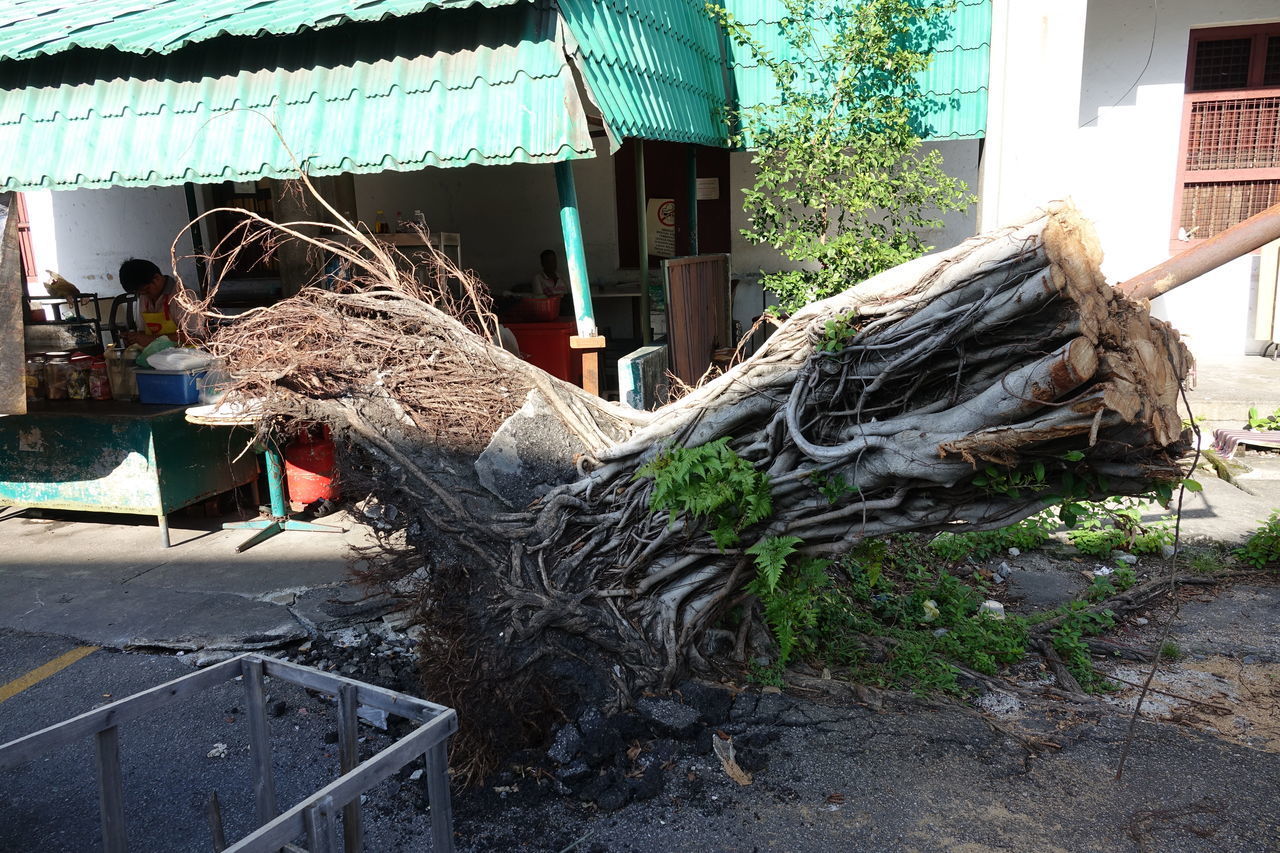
(40, 673)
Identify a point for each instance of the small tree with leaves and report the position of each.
(842, 185)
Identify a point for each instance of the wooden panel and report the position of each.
(698, 314)
(13, 388)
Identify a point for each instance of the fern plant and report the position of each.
(788, 586)
(710, 482)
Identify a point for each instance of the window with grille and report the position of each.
(1229, 167)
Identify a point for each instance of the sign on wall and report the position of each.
(662, 227)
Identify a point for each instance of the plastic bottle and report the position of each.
(99, 380)
(380, 225)
(78, 378)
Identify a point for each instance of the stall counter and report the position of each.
(118, 457)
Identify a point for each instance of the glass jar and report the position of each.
(99, 380)
(78, 378)
(57, 370)
(35, 379)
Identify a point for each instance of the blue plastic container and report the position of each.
(171, 387)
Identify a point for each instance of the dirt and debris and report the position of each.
(727, 766)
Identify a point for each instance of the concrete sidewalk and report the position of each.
(1225, 389)
(105, 580)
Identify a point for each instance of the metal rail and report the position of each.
(313, 818)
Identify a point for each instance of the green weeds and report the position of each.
(1262, 548)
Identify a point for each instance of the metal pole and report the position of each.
(1241, 239)
(642, 229)
(275, 481)
(264, 783)
(197, 241)
(691, 174)
(574, 254)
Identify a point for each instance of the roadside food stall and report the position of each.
(113, 96)
(101, 101)
(86, 441)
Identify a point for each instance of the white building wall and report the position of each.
(86, 234)
(506, 215)
(1078, 111)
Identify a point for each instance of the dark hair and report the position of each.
(135, 273)
(545, 252)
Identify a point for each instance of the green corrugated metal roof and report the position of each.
(34, 27)
(444, 88)
(150, 92)
(956, 82)
(654, 68)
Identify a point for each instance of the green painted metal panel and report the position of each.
(30, 28)
(654, 68)
(956, 82)
(443, 88)
(117, 457)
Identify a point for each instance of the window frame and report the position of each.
(1259, 34)
(26, 248)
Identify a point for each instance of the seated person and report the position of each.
(158, 312)
(548, 281)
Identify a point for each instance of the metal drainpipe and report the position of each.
(691, 172)
(642, 229)
(575, 255)
(1240, 239)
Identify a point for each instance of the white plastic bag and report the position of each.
(213, 384)
(179, 358)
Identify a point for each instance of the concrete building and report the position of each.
(1095, 101)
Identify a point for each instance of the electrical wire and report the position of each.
(1151, 49)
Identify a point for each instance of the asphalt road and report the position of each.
(51, 804)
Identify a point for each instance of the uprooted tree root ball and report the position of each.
(521, 510)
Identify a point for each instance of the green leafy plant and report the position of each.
(1100, 527)
(788, 586)
(1068, 640)
(1024, 535)
(837, 332)
(833, 487)
(1263, 422)
(899, 623)
(1011, 482)
(1263, 545)
(842, 188)
(710, 481)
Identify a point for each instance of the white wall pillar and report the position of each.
(1037, 51)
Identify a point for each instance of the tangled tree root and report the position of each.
(521, 524)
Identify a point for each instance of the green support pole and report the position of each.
(279, 521)
(642, 229)
(574, 254)
(691, 173)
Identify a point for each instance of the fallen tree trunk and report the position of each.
(967, 389)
